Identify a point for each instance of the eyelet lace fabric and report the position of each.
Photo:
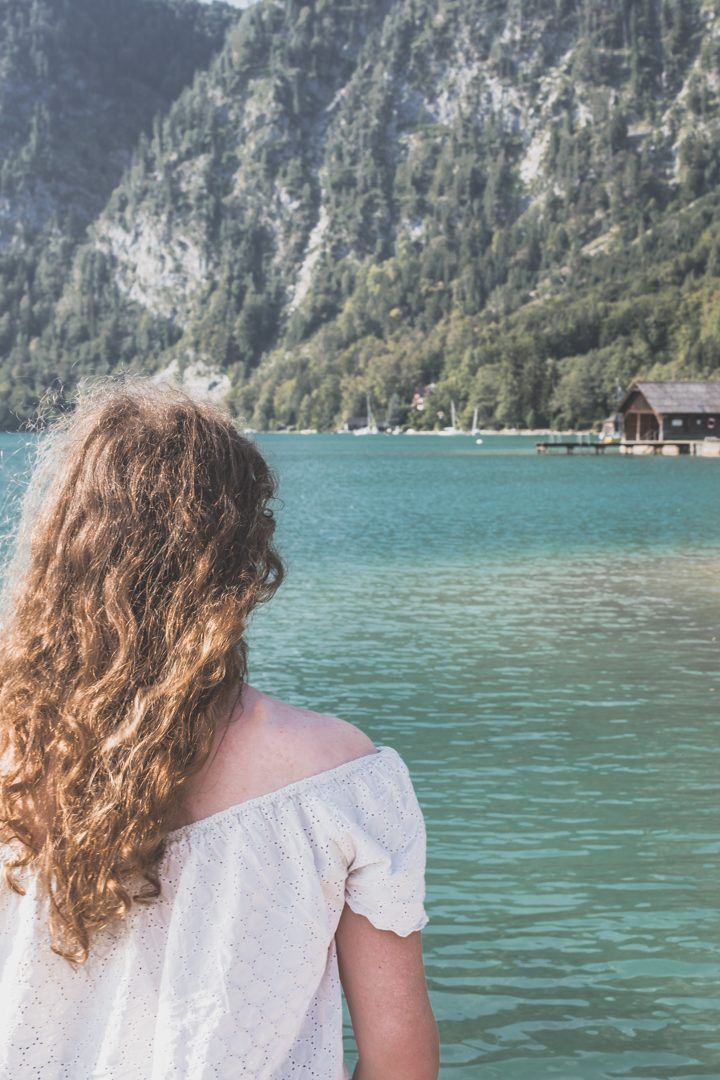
(232, 972)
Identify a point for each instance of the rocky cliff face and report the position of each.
(80, 81)
(348, 198)
(231, 182)
(80, 84)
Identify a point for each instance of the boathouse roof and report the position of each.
(680, 396)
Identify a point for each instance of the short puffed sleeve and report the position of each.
(386, 840)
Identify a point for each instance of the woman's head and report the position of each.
(145, 542)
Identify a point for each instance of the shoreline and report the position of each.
(525, 432)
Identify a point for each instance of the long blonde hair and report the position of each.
(145, 542)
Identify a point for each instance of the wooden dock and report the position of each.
(667, 447)
(572, 447)
(707, 447)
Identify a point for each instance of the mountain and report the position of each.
(80, 82)
(511, 205)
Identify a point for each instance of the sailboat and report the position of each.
(371, 427)
(474, 428)
(453, 429)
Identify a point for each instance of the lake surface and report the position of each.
(539, 638)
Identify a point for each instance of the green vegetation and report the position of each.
(80, 82)
(513, 204)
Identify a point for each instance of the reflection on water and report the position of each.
(538, 637)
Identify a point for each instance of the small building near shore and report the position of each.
(355, 423)
(352, 423)
(611, 431)
(665, 411)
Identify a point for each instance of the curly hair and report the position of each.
(145, 542)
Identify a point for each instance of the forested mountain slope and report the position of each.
(513, 203)
(80, 82)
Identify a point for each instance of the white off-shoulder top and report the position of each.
(232, 972)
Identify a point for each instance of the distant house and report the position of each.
(356, 423)
(352, 423)
(611, 430)
(663, 411)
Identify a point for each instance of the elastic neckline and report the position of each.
(306, 782)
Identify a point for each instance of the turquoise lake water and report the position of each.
(539, 638)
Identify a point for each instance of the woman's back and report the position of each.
(175, 883)
(233, 972)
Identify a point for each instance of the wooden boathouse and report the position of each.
(676, 417)
(657, 411)
(671, 417)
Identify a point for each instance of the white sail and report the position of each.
(371, 427)
(452, 429)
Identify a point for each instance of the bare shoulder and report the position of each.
(273, 744)
(313, 741)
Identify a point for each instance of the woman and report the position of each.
(192, 867)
